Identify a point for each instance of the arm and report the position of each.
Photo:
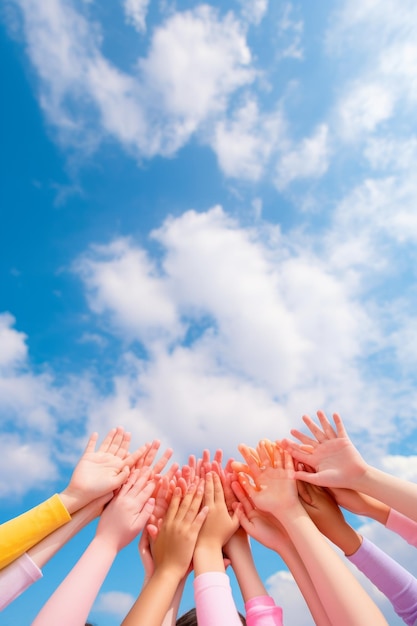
(96, 474)
(24, 531)
(148, 565)
(339, 464)
(120, 522)
(402, 525)
(260, 607)
(24, 571)
(276, 493)
(174, 543)
(266, 529)
(213, 595)
(398, 585)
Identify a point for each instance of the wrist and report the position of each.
(73, 500)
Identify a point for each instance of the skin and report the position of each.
(337, 463)
(275, 492)
(173, 547)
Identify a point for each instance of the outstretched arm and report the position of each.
(275, 492)
(173, 548)
(338, 464)
(24, 571)
(120, 523)
(398, 585)
(266, 529)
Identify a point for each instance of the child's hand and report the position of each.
(101, 471)
(175, 538)
(273, 487)
(262, 526)
(329, 519)
(336, 461)
(219, 525)
(128, 512)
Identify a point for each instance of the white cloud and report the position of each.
(122, 279)
(25, 464)
(310, 159)
(135, 12)
(116, 603)
(392, 153)
(154, 110)
(268, 330)
(13, 343)
(245, 141)
(254, 11)
(403, 466)
(291, 30)
(362, 108)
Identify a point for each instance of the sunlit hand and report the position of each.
(336, 461)
(101, 471)
(128, 512)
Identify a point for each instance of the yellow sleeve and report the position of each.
(22, 532)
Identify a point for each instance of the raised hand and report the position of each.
(329, 519)
(177, 532)
(274, 489)
(336, 461)
(128, 512)
(101, 471)
(262, 526)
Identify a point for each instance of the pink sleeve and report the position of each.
(402, 525)
(398, 585)
(16, 578)
(71, 603)
(262, 611)
(214, 601)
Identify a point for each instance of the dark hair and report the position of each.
(190, 619)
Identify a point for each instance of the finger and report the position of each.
(123, 449)
(340, 428)
(217, 488)
(160, 465)
(91, 444)
(170, 473)
(304, 492)
(152, 452)
(313, 479)
(140, 454)
(326, 426)
(263, 454)
(209, 490)
(173, 505)
(305, 439)
(314, 429)
(246, 485)
(218, 456)
(251, 457)
(116, 441)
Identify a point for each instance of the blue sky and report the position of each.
(209, 228)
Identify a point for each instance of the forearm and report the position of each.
(208, 557)
(334, 584)
(21, 533)
(71, 603)
(171, 615)
(397, 493)
(214, 601)
(395, 582)
(243, 565)
(16, 578)
(304, 582)
(403, 526)
(155, 599)
(43, 551)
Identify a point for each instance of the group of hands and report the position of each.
(207, 507)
